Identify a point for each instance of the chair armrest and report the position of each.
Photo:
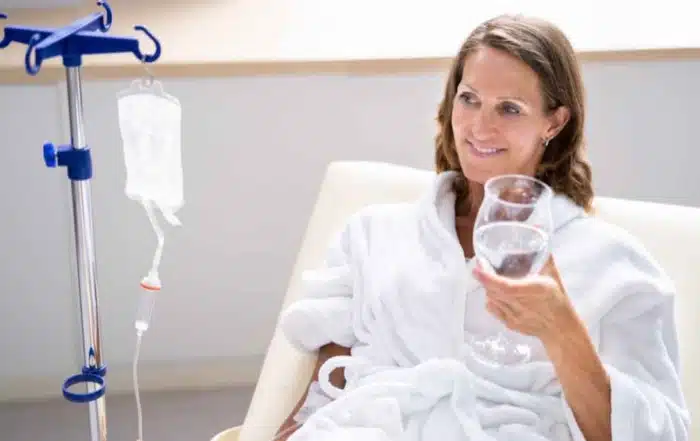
(230, 434)
(283, 380)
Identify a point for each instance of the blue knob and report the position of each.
(50, 155)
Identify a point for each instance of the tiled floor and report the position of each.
(167, 416)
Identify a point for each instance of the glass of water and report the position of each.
(511, 239)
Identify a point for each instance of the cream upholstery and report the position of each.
(671, 233)
(230, 434)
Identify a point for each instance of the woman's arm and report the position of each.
(584, 380)
(628, 385)
(629, 388)
(337, 379)
(539, 306)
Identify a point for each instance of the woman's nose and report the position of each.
(482, 124)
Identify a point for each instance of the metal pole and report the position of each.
(85, 253)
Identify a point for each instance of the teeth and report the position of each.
(485, 151)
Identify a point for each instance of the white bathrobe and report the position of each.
(397, 290)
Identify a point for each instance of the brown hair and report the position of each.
(548, 52)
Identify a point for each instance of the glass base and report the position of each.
(499, 350)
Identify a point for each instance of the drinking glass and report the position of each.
(512, 239)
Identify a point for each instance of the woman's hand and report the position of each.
(536, 306)
(539, 306)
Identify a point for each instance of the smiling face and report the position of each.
(499, 118)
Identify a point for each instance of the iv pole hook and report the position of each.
(106, 21)
(140, 55)
(32, 67)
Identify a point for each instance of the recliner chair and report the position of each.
(670, 232)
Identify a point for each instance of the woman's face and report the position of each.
(498, 117)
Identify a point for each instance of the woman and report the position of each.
(384, 312)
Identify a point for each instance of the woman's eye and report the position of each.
(511, 109)
(467, 97)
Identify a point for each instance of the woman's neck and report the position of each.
(466, 211)
(469, 206)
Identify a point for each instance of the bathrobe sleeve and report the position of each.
(323, 314)
(641, 356)
(638, 346)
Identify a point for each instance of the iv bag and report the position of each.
(150, 127)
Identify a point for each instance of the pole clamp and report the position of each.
(77, 161)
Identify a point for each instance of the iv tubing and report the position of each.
(152, 280)
(151, 286)
(139, 411)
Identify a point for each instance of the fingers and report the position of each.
(494, 309)
(496, 283)
(503, 312)
(505, 308)
(503, 286)
(488, 279)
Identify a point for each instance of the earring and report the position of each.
(546, 143)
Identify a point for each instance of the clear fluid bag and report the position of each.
(150, 125)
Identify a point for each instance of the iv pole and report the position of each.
(82, 37)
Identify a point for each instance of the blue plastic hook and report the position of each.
(106, 21)
(32, 67)
(140, 55)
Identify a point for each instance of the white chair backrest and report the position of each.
(671, 233)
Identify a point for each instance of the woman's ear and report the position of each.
(557, 120)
